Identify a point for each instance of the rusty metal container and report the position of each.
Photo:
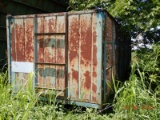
(73, 53)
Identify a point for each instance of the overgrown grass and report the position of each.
(25, 104)
(137, 98)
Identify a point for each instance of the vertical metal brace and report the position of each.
(35, 51)
(9, 17)
(66, 56)
(112, 44)
(104, 59)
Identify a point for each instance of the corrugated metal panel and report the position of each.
(73, 53)
(22, 47)
(84, 42)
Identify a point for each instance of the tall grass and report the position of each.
(138, 98)
(25, 104)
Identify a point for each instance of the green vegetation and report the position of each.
(138, 98)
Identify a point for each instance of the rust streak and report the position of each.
(94, 74)
(29, 41)
(74, 35)
(94, 98)
(13, 44)
(94, 88)
(86, 41)
(75, 75)
(19, 42)
(87, 80)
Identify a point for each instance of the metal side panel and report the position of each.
(85, 57)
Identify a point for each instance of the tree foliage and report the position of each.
(89, 4)
(137, 15)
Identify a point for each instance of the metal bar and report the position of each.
(79, 56)
(66, 56)
(81, 12)
(85, 104)
(104, 58)
(92, 24)
(47, 88)
(9, 47)
(35, 49)
(112, 44)
(50, 33)
(49, 63)
(30, 5)
(99, 56)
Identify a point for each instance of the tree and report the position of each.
(89, 4)
(136, 16)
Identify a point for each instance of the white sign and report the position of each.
(23, 67)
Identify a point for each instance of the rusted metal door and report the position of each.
(50, 52)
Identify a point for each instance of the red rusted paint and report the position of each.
(74, 36)
(87, 80)
(94, 99)
(20, 41)
(40, 49)
(13, 44)
(94, 74)
(95, 55)
(86, 40)
(75, 75)
(29, 50)
(73, 54)
(85, 55)
(94, 88)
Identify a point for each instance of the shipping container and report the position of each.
(74, 54)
